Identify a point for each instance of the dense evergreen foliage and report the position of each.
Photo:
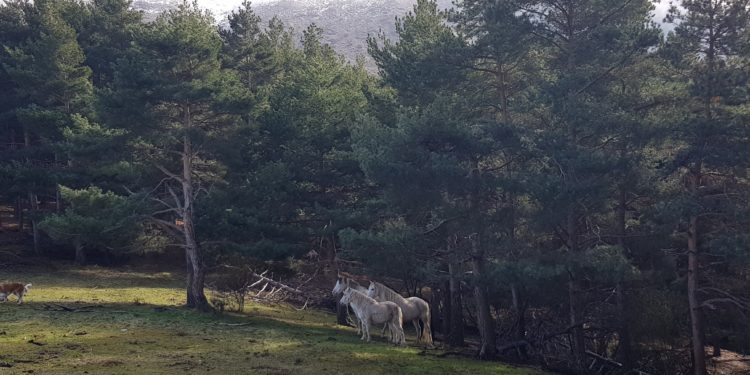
(569, 182)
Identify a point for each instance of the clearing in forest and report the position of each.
(125, 322)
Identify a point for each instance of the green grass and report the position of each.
(138, 327)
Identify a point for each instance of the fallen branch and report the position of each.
(278, 284)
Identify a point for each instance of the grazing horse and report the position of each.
(370, 311)
(413, 308)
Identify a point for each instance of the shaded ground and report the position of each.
(131, 322)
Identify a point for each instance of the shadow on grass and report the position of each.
(101, 330)
(93, 277)
(171, 339)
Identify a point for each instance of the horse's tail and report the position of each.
(426, 329)
(397, 325)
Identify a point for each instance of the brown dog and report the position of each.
(17, 289)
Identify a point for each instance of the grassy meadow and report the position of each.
(130, 322)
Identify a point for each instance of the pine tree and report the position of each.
(291, 173)
(708, 46)
(423, 60)
(248, 49)
(51, 85)
(584, 44)
(174, 72)
(107, 29)
(499, 55)
(93, 220)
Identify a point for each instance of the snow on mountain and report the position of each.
(345, 23)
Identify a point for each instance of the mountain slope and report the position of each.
(346, 23)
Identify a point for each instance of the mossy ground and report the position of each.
(138, 327)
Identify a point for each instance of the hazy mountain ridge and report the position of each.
(345, 23)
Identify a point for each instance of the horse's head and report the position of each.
(372, 290)
(339, 287)
(347, 296)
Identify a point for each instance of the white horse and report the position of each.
(413, 308)
(343, 282)
(370, 311)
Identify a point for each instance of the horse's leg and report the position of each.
(366, 328)
(355, 320)
(418, 328)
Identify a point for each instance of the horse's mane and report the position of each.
(388, 293)
(360, 297)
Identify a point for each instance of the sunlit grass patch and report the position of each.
(132, 322)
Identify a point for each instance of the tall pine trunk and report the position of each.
(625, 347)
(445, 311)
(19, 213)
(456, 318)
(485, 322)
(519, 310)
(80, 256)
(34, 205)
(574, 292)
(696, 318)
(196, 272)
